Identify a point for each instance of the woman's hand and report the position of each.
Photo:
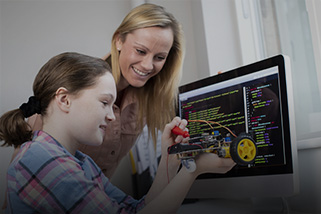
(168, 139)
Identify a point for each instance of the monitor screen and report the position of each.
(255, 99)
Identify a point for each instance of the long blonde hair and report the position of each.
(157, 98)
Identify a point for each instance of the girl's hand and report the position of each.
(206, 162)
(212, 163)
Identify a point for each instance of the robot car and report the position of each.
(242, 148)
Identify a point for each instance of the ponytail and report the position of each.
(14, 130)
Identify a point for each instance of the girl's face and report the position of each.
(91, 110)
(143, 54)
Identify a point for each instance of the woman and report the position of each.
(147, 53)
(50, 175)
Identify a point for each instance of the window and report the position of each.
(290, 27)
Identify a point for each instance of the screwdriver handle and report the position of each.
(179, 131)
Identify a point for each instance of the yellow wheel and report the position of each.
(243, 149)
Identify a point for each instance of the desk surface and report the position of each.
(207, 206)
(228, 206)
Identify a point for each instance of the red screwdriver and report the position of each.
(179, 131)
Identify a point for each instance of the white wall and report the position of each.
(33, 31)
(221, 30)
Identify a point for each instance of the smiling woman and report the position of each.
(142, 55)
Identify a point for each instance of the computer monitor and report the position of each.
(255, 99)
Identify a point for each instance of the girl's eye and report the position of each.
(105, 103)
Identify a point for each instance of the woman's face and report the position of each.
(143, 54)
(92, 109)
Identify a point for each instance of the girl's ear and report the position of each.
(62, 99)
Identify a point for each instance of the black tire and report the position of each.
(243, 150)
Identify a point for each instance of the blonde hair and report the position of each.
(73, 71)
(157, 98)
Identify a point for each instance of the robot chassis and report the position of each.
(242, 148)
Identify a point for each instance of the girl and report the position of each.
(75, 94)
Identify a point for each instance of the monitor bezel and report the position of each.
(209, 186)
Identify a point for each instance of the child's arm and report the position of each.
(165, 197)
(169, 164)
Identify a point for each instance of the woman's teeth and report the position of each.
(102, 127)
(139, 72)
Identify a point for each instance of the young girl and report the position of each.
(75, 94)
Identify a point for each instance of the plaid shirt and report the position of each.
(45, 178)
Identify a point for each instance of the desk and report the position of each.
(231, 206)
(222, 206)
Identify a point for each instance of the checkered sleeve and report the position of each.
(53, 182)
